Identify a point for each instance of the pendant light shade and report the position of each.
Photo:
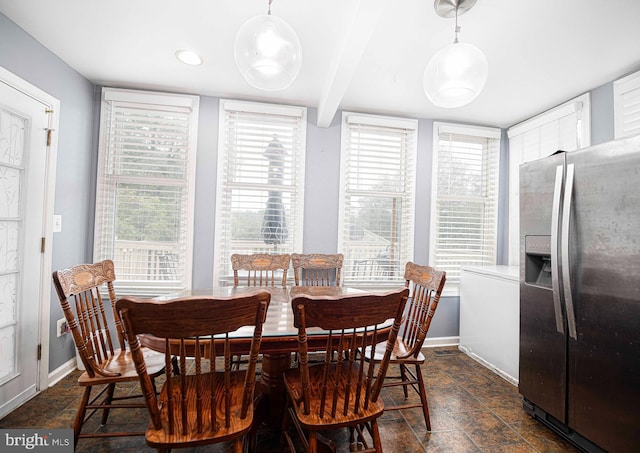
(456, 75)
(268, 53)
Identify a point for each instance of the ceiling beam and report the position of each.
(344, 65)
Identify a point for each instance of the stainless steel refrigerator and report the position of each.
(580, 294)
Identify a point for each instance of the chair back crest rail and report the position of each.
(261, 268)
(206, 402)
(426, 284)
(317, 269)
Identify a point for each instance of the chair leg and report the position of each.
(285, 426)
(237, 445)
(82, 411)
(259, 414)
(284, 435)
(403, 375)
(423, 398)
(375, 434)
(248, 445)
(236, 361)
(357, 439)
(313, 442)
(108, 400)
(175, 367)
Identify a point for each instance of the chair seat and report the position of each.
(293, 384)
(399, 353)
(158, 438)
(123, 364)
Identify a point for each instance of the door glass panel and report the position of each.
(12, 139)
(7, 352)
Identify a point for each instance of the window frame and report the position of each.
(409, 183)
(622, 88)
(186, 104)
(581, 108)
(222, 274)
(478, 133)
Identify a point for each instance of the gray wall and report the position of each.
(206, 171)
(25, 57)
(77, 161)
(322, 185)
(602, 114)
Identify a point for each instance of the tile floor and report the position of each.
(472, 410)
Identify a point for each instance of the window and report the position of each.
(464, 204)
(259, 205)
(626, 105)
(145, 189)
(377, 197)
(566, 127)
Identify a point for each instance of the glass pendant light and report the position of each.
(268, 52)
(457, 74)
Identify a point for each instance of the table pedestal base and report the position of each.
(273, 366)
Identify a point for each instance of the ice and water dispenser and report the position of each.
(537, 262)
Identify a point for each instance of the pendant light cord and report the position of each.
(455, 41)
(269, 11)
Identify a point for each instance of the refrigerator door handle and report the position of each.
(555, 228)
(566, 276)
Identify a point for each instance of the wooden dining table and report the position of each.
(279, 337)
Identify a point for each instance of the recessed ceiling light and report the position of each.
(189, 57)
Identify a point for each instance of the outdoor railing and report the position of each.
(145, 260)
(369, 261)
(153, 261)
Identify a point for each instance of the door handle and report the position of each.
(555, 269)
(566, 274)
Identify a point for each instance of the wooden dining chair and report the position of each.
(317, 269)
(203, 404)
(426, 284)
(343, 391)
(99, 338)
(262, 268)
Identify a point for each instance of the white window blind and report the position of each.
(259, 203)
(626, 105)
(145, 189)
(377, 198)
(464, 217)
(566, 127)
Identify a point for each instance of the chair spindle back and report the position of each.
(426, 284)
(349, 383)
(317, 269)
(78, 289)
(202, 401)
(262, 268)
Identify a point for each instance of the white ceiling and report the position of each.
(358, 55)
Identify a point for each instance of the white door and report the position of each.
(24, 122)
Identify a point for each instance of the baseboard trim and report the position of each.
(441, 341)
(504, 375)
(62, 371)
